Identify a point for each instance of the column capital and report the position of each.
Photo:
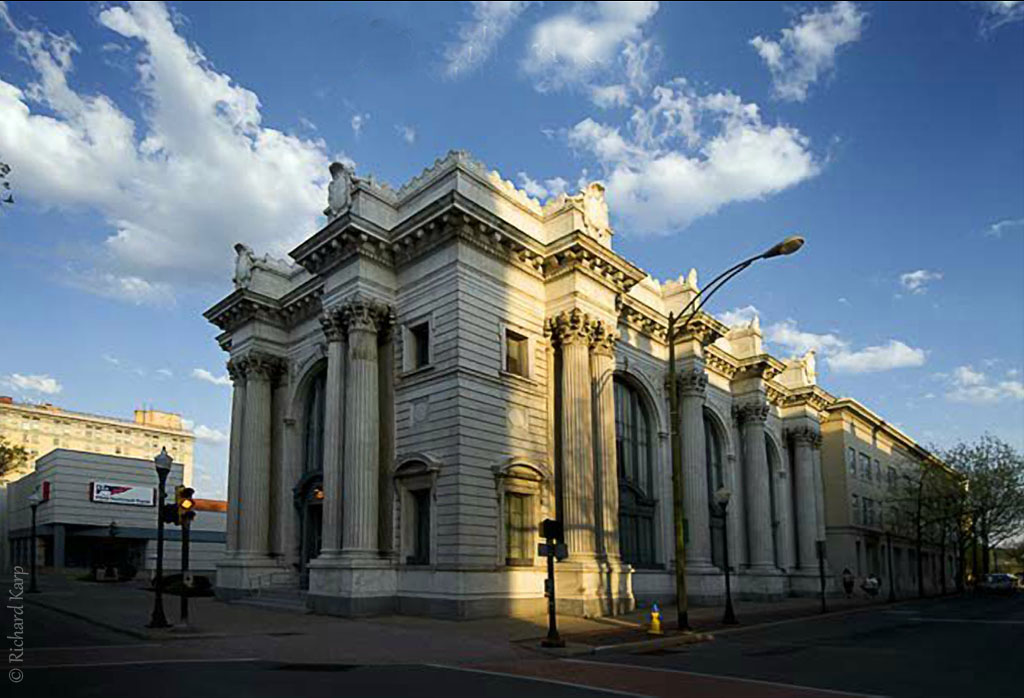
(256, 364)
(236, 370)
(333, 323)
(365, 315)
(692, 381)
(571, 327)
(804, 435)
(751, 412)
(603, 339)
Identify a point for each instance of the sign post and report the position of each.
(553, 532)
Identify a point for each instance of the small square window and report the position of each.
(417, 351)
(517, 354)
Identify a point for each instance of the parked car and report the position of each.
(998, 583)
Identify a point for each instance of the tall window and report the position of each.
(421, 528)
(516, 354)
(519, 535)
(716, 480)
(313, 458)
(851, 461)
(865, 466)
(633, 445)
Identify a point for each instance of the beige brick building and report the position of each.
(40, 429)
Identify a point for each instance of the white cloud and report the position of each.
(35, 383)
(838, 352)
(797, 341)
(807, 50)
(971, 386)
(173, 224)
(130, 289)
(996, 14)
(607, 96)
(894, 354)
(479, 37)
(358, 121)
(998, 229)
(165, 372)
(917, 281)
(738, 317)
(687, 155)
(551, 187)
(408, 133)
(575, 48)
(204, 375)
(205, 433)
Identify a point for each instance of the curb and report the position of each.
(171, 633)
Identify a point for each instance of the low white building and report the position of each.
(447, 364)
(99, 508)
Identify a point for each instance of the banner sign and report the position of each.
(109, 493)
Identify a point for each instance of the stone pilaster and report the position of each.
(803, 439)
(691, 382)
(602, 369)
(334, 421)
(235, 454)
(572, 331)
(261, 370)
(362, 431)
(752, 417)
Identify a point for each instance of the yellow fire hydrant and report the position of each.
(655, 628)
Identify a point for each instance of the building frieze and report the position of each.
(578, 252)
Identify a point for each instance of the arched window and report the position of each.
(634, 440)
(313, 421)
(714, 450)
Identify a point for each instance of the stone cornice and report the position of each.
(811, 396)
(720, 362)
(764, 366)
(578, 252)
(344, 237)
(775, 393)
(705, 328)
(641, 317)
(243, 306)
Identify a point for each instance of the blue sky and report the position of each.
(146, 139)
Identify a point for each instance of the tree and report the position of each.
(12, 458)
(6, 198)
(994, 505)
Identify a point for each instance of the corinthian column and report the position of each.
(602, 369)
(806, 496)
(692, 382)
(362, 431)
(254, 510)
(572, 331)
(235, 455)
(758, 497)
(334, 420)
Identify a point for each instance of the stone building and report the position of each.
(447, 364)
(42, 428)
(871, 475)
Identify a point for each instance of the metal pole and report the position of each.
(553, 639)
(185, 528)
(730, 615)
(821, 573)
(892, 588)
(682, 603)
(32, 587)
(158, 619)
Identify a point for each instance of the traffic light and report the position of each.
(185, 504)
(169, 514)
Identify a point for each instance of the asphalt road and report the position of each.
(934, 648)
(949, 647)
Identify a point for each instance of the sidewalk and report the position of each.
(219, 627)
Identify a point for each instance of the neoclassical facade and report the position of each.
(444, 365)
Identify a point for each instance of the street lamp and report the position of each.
(785, 247)
(722, 500)
(163, 467)
(34, 500)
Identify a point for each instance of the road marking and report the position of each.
(524, 677)
(88, 665)
(967, 620)
(728, 677)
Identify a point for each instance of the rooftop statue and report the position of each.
(339, 191)
(244, 263)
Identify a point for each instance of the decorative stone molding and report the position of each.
(812, 396)
(236, 370)
(571, 327)
(721, 363)
(803, 435)
(366, 315)
(333, 324)
(751, 412)
(585, 254)
(641, 318)
(262, 365)
(603, 339)
(692, 381)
